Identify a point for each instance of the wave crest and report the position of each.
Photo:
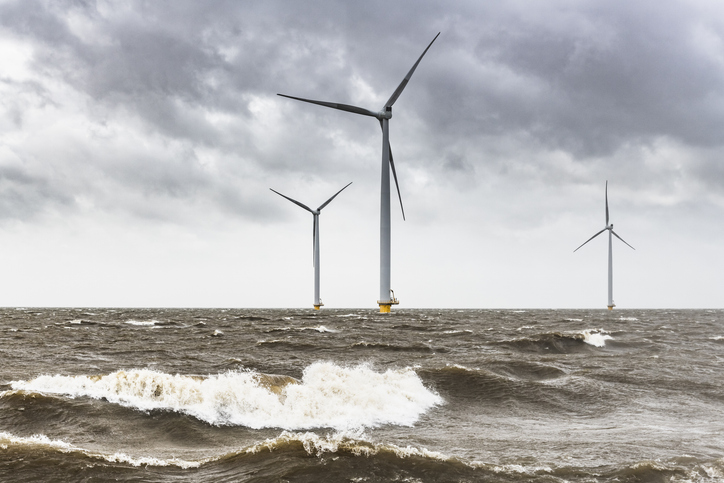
(41, 441)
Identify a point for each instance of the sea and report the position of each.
(351, 395)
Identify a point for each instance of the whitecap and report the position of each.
(8, 440)
(143, 323)
(38, 440)
(320, 328)
(596, 337)
(630, 319)
(353, 441)
(459, 367)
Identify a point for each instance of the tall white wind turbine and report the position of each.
(315, 240)
(608, 227)
(387, 298)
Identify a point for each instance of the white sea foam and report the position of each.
(76, 321)
(574, 320)
(596, 337)
(327, 396)
(630, 319)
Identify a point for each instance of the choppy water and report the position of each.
(352, 395)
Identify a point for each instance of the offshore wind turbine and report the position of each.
(608, 227)
(387, 297)
(315, 240)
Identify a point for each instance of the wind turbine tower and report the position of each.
(387, 298)
(315, 240)
(611, 233)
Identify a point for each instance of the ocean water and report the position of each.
(172, 395)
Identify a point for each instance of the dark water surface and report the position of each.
(352, 395)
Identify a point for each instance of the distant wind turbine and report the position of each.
(608, 227)
(387, 298)
(315, 240)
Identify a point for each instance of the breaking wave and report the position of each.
(560, 342)
(327, 396)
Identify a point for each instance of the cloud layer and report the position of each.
(165, 114)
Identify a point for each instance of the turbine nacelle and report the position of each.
(386, 114)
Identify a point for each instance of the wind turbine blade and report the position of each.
(614, 234)
(294, 201)
(334, 105)
(404, 82)
(394, 175)
(606, 202)
(594, 236)
(333, 197)
(314, 241)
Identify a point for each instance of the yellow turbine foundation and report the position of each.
(386, 307)
(317, 307)
(610, 307)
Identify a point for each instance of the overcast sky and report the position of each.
(139, 140)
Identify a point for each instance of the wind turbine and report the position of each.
(387, 297)
(608, 227)
(315, 240)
